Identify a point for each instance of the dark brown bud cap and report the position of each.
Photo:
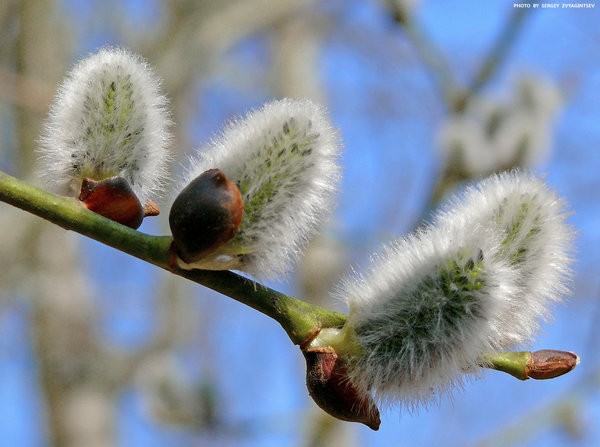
(114, 199)
(205, 215)
(330, 387)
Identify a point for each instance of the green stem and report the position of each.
(514, 363)
(299, 319)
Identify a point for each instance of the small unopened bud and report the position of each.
(330, 387)
(151, 208)
(114, 199)
(548, 364)
(205, 215)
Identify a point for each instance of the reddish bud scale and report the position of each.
(329, 386)
(205, 215)
(114, 199)
(151, 208)
(548, 364)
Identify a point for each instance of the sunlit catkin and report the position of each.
(108, 119)
(477, 280)
(283, 158)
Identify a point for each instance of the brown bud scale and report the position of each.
(114, 199)
(331, 389)
(151, 208)
(548, 364)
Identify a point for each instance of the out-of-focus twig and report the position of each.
(496, 56)
(206, 32)
(296, 45)
(24, 92)
(37, 56)
(435, 60)
(456, 97)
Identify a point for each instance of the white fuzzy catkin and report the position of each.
(536, 242)
(283, 157)
(477, 280)
(108, 118)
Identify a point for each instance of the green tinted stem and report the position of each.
(299, 319)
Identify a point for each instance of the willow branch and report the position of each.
(299, 319)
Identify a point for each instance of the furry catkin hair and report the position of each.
(108, 118)
(283, 157)
(477, 280)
